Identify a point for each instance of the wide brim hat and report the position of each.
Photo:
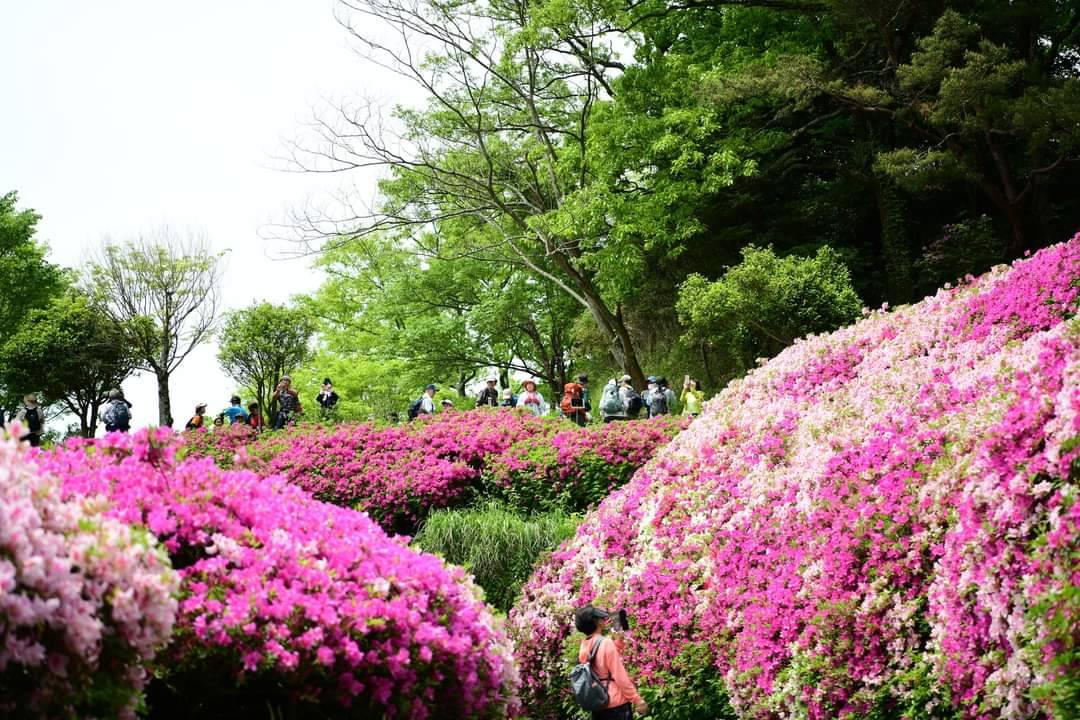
(529, 382)
(584, 616)
(625, 379)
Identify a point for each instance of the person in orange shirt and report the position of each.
(623, 698)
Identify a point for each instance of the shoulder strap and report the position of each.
(592, 655)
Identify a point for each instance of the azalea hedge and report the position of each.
(399, 473)
(290, 604)
(85, 600)
(879, 522)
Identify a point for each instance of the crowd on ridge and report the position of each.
(619, 400)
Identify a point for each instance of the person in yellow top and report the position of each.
(692, 397)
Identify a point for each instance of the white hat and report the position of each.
(625, 379)
(493, 378)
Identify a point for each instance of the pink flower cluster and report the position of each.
(85, 600)
(397, 474)
(278, 585)
(879, 520)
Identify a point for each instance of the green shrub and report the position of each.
(499, 547)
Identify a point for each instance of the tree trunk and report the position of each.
(165, 418)
(92, 428)
(895, 253)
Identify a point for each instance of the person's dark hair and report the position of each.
(583, 378)
(661, 381)
(235, 399)
(326, 381)
(253, 406)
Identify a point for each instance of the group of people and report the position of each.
(288, 412)
(115, 414)
(619, 400)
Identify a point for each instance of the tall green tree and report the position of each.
(447, 319)
(71, 354)
(766, 302)
(163, 288)
(259, 344)
(27, 279)
(500, 155)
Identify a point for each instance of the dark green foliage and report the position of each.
(72, 354)
(765, 302)
(497, 545)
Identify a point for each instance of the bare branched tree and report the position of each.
(164, 288)
(496, 155)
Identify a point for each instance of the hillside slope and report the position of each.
(878, 522)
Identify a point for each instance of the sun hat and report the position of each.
(492, 378)
(625, 379)
(651, 378)
(507, 393)
(235, 399)
(447, 402)
(432, 386)
(584, 617)
(200, 405)
(528, 381)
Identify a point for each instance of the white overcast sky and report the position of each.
(122, 115)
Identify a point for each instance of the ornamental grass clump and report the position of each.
(85, 600)
(291, 603)
(879, 522)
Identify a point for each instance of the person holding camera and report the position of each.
(288, 403)
(623, 698)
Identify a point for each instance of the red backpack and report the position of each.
(573, 399)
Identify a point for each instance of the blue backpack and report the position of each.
(587, 687)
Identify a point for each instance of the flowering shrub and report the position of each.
(397, 474)
(85, 600)
(293, 601)
(881, 521)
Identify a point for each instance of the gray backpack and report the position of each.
(588, 688)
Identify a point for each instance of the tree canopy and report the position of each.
(259, 344)
(70, 353)
(27, 281)
(606, 152)
(163, 289)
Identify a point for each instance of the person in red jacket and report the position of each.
(623, 698)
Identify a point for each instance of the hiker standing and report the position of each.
(575, 405)
(425, 404)
(489, 396)
(198, 420)
(288, 403)
(327, 398)
(117, 412)
(531, 400)
(235, 412)
(607, 663)
(31, 418)
(612, 405)
(692, 397)
(255, 418)
(630, 398)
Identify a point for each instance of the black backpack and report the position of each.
(658, 403)
(33, 420)
(117, 416)
(414, 408)
(633, 403)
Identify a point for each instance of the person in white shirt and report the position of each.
(427, 400)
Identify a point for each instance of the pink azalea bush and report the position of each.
(879, 522)
(294, 602)
(85, 599)
(397, 474)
